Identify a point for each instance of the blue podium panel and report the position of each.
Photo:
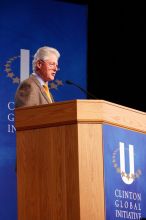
(124, 173)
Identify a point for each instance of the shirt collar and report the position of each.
(41, 81)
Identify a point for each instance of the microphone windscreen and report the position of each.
(68, 82)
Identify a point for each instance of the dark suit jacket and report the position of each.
(30, 93)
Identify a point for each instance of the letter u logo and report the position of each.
(24, 64)
(127, 178)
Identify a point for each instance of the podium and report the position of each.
(60, 157)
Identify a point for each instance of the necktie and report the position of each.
(47, 91)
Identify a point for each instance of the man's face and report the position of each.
(47, 68)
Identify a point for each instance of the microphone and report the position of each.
(83, 90)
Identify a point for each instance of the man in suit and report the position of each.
(34, 90)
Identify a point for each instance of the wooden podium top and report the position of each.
(80, 111)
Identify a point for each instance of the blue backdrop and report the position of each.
(30, 25)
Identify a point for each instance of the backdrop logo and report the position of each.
(10, 72)
(127, 178)
(17, 69)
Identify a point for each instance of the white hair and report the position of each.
(43, 53)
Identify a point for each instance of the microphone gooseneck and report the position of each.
(83, 90)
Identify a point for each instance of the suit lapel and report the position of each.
(41, 88)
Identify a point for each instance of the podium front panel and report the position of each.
(124, 173)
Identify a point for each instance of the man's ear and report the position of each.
(38, 64)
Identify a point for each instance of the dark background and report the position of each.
(116, 52)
